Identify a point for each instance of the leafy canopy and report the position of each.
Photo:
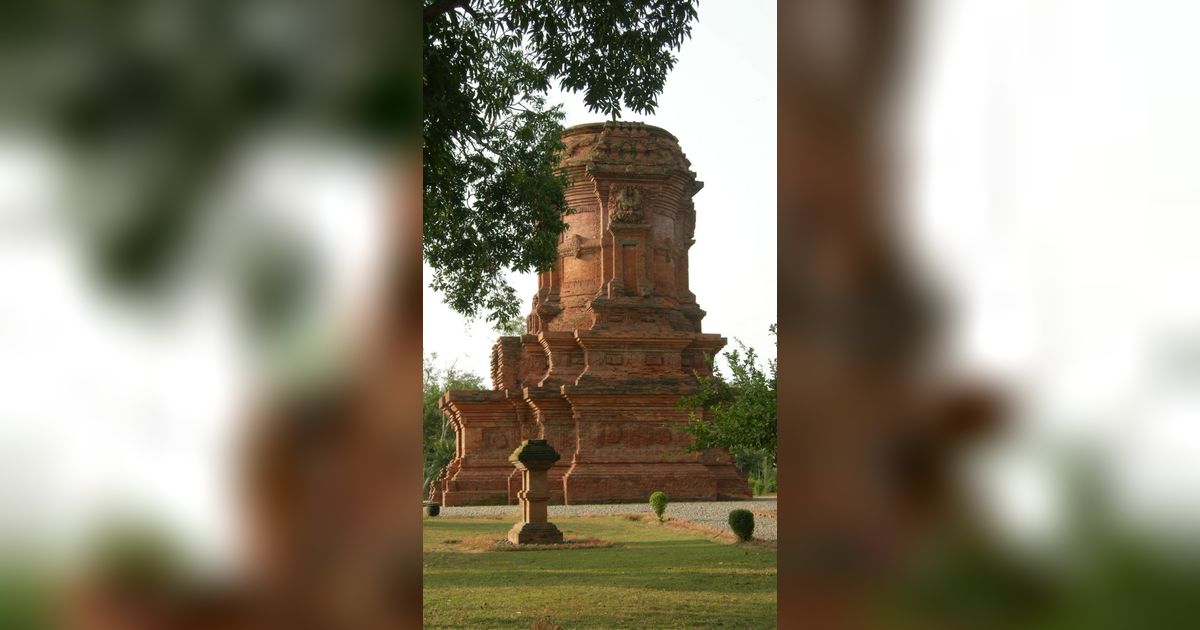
(741, 410)
(493, 193)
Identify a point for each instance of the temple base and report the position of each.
(635, 482)
(731, 483)
(477, 485)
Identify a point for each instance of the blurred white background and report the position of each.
(1051, 194)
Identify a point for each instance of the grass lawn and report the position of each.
(651, 577)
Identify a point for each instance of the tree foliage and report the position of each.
(438, 444)
(157, 99)
(740, 410)
(513, 328)
(493, 193)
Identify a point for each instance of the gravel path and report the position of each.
(712, 513)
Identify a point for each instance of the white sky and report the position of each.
(1053, 196)
(1054, 193)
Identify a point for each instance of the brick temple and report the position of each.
(611, 343)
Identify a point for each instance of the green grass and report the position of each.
(651, 577)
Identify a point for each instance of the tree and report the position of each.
(740, 413)
(493, 192)
(438, 443)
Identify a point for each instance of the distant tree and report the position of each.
(438, 443)
(741, 411)
(512, 327)
(493, 192)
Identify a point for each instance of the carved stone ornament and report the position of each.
(625, 204)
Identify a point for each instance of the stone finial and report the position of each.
(534, 455)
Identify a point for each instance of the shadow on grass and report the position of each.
(675, 565)
(663, 579)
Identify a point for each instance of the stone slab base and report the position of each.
(475, 484)
(474, 497)
(731, 483)
(632, 483)
(535, 534)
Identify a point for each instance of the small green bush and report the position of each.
(658, 501)
(742, 523)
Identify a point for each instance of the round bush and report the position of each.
(658, 501)
(433, 509)
(742, 523)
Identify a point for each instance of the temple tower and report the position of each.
(613, 338)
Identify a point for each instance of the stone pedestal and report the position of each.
(533, 458)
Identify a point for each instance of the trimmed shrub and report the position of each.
(742, 524)
(433, 509)
(658, 501)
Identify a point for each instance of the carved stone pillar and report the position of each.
(533, 458)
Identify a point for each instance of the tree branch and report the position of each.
(440, 7)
